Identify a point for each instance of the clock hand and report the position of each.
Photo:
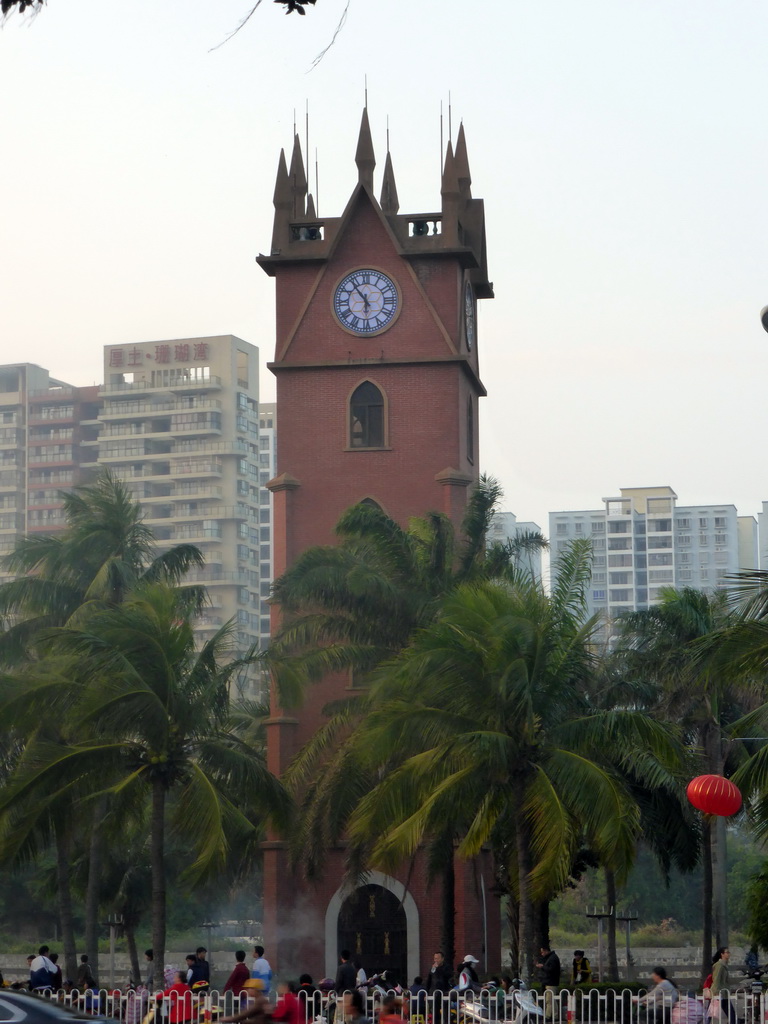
(365, 300)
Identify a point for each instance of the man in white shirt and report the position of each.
(261, 968)
(41, 971)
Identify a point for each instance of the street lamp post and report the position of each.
(600, 915)
(209, 926)
(628, 916)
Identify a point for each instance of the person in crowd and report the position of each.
(200, 972)
(179, 996)
(361, 978)
(42, 971)
(261, 969)
(255, 1011)
(687, 1010)
(721, 984)
(240, 974)
(391, 1011)
(354, 1008)
(439, 981)
(30, 958)
(85, 978)
(346, 975)
(288, 1008)
(149, 958)
(661, 998)
(549, 967)
(310, 996)
(468, 979)
(418, 1004)
(58, 977)
(581, 971)
(190, 962)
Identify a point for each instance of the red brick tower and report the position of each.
(377, 394)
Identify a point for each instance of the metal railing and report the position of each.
(563, 1006)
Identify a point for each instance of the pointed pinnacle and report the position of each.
(389, 201)
(462, 162)
(282, 196)
(311, 215)
(298, 179)
(450, 182)
(296, 172)
(364, 156)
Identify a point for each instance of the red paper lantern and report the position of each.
(714, 795)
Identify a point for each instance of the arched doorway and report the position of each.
(372, 926)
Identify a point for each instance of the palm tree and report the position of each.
(668, 648)
(157, 711)
(488, 710)
(351, 606)
(104, 551)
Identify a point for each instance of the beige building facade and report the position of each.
(179, 424)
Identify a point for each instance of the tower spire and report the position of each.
(462, 164)
(389, 201)
(451, 195)
(298, 179)
(283, 202)
(364, 156)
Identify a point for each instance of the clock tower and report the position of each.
(377, 392)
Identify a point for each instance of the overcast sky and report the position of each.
(620, 147)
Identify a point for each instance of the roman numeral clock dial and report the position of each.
(366, 302)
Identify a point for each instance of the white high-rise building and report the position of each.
(505, 526)
(180, 425)
(267, 470)
(643, 541)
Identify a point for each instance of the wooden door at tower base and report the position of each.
(372, 926)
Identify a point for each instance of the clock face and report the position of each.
(366, 302)
(469, 314)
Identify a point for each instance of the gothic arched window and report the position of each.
(366, 417)
(370, 503)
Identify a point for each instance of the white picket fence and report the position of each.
(582, 1006)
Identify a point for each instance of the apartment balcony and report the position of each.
(194, 489)
(11, 479)
(213, 576)
(127, 473)
(201, 469)
(124, 410)
(146, 386)
(208, 622)
(199, 535)
(45, 395)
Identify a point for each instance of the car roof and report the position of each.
(45, 1007)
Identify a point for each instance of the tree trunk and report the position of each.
(717, 841)
(157, 858)
(706, 902)
(448, 907)
(64, 899)
(513, 919)
(526, 918)
(130, 938)
(720, 881)
(92, 890)
(610, 893)
(540, 924)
